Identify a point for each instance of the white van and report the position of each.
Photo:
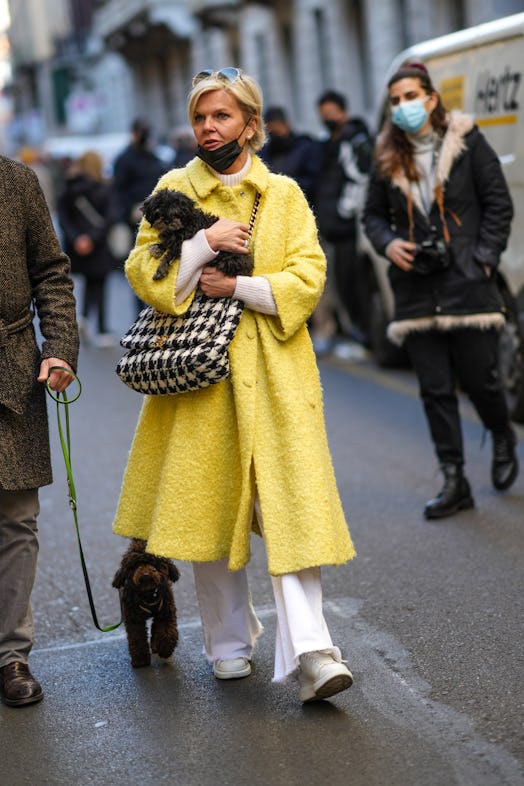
(481, 72)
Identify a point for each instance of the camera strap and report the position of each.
(439, 199)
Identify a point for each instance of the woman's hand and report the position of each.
(227, 235)
(401, 253)
(214, 283)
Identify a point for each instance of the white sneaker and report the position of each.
(322, 676)
(231, 668)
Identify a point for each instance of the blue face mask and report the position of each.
(410, 116)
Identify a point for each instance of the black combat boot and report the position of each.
(505, 466)
(455, 494)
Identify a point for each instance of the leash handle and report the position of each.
(65, 442)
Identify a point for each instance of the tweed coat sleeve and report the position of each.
(32, 269)
(51, 284)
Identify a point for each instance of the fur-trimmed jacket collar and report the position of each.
(472, 206)
(453, 145)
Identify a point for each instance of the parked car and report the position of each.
(479, 71)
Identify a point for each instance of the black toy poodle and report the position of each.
(176, 218)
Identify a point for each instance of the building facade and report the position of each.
(92, 66)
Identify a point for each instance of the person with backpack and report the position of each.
(346, 159)
(87, 210)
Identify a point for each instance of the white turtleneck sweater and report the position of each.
(254, 291)
(425, 148)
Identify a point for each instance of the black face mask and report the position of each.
(331, 125)
(223, 157)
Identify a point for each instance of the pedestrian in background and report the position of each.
(34, 272)
(249, 452)
(289, 153)
(339, 197)
(87, 210)
(439, 209)
(135, 173)
(184, 146)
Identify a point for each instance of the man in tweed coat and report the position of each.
(34, 277)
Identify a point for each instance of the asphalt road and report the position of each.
(429, 616)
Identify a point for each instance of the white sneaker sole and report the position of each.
(232, 675)
(324, 688)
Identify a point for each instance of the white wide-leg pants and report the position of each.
(231, 626)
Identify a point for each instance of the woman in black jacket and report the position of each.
(87, 210)
(439, 209)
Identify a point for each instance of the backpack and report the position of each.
(355, 157)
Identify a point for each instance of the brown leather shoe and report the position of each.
(18, 686)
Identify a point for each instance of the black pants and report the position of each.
(442, 359)
(351, 281)
(95, 298)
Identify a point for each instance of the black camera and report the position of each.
(431, 256)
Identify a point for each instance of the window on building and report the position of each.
(61, 80)
(457, 15)
(357, 19)
(322, 47)
(262, 66)
(403, 17)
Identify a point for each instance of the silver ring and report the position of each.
(246, 243)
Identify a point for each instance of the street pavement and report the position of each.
(429, 617)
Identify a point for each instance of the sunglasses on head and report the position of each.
(229, 74)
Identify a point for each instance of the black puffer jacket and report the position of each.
(136, 172)
(475, 191)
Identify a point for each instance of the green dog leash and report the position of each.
(65, 442)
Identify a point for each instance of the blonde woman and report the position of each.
(249, 453)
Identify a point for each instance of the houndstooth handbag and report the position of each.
(175, 354)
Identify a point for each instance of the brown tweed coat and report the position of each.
(34, 273)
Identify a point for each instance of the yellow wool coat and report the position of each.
(198, 458)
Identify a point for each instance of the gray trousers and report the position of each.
(18, 555)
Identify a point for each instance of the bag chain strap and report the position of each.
(254, 213)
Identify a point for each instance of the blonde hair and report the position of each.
(247, 93)
(91, 164)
